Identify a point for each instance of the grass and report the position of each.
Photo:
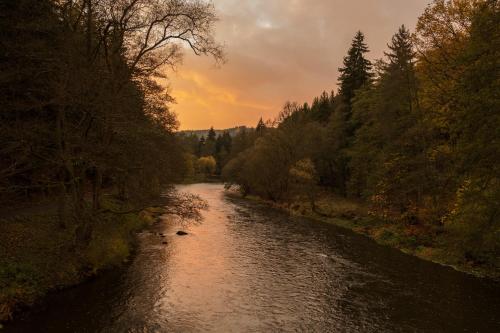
(37, 255)
(430, 243)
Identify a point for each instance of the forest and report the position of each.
(413, 138)
(87, 135)
(406, 150)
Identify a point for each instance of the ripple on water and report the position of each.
(248, 268)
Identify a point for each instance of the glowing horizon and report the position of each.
(279, 51)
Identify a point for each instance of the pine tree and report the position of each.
(201, 146)
(222, 150)
(322, 107)
(226, 141)
(357, 69)
(209, 149)
(388, 137)
(261, 127)
(211, 135)
(402, 54)
(355, 74)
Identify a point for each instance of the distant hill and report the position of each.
(199, 133)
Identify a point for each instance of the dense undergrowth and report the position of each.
(38, 256)
(432, 243)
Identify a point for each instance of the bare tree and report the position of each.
(149, 33)
(135, 39)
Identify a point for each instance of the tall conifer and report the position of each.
(356, 71)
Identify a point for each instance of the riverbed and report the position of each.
(245, 267)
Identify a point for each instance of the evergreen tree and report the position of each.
(222, 150)
(475, 130)
(356, 71)
(226, 141)
(201, 146)
(402, 53)
(218, 144)
(322, 107)
(209, 148)
(241, 141)
(355, 74)
(260, 128)
(419, 143)
(211, 135)
(389, 138)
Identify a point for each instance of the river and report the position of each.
(248, 268)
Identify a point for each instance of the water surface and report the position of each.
(248, 268)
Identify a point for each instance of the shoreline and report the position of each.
(382, 232)
(26, 284)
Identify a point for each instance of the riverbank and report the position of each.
(37, 256)
(244, 267)
(199, 178)
(431, 243)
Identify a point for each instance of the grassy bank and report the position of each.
(38, 256)
(431, 243)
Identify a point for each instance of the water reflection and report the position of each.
(246, 268)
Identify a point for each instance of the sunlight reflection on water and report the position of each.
(248, 268)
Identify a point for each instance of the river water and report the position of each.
(248, 268)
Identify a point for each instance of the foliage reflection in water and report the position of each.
(248, 268)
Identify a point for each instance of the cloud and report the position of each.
(280, 50)
(200, 90)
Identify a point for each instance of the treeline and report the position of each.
(206, 156)
(82, 112)
(87, 140)
(416, 134)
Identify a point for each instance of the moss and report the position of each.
(112, 242)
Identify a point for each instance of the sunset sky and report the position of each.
(279, 50)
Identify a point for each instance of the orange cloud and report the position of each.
(201, 103)
(203, 91)
(279, 50)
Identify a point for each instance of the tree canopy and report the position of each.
(415, 135)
